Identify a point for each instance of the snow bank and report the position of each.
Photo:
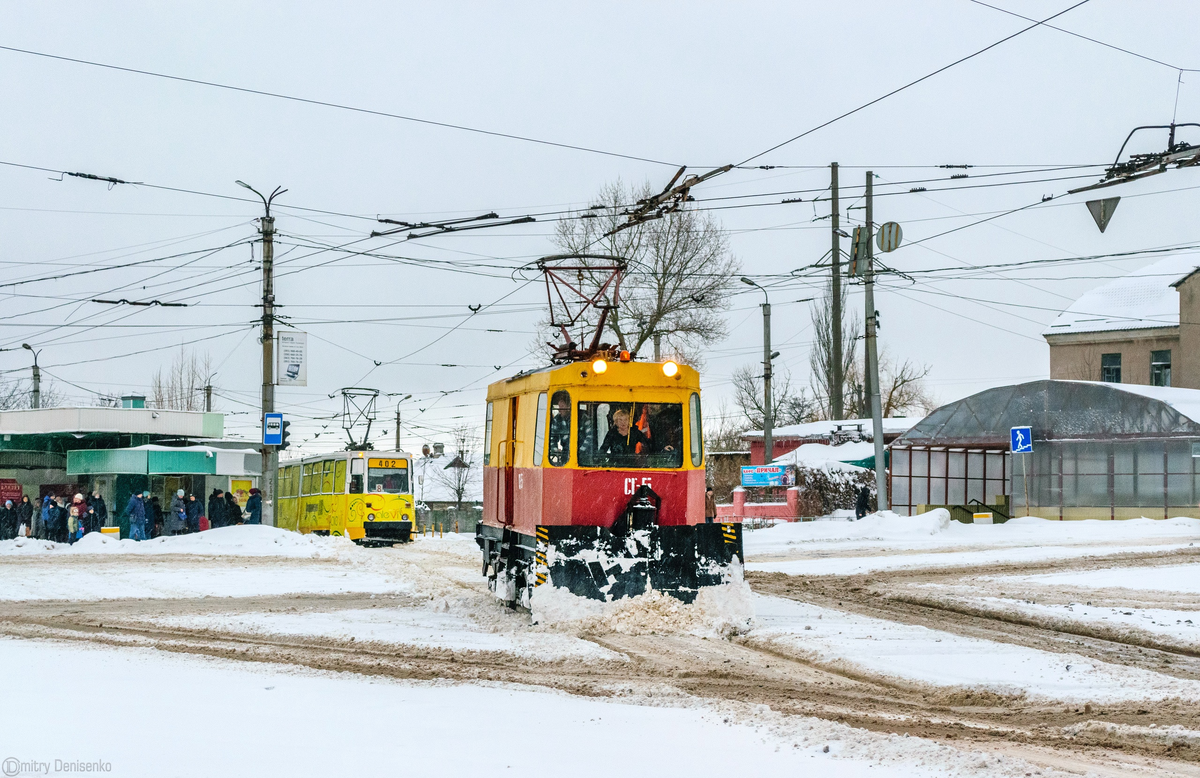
(936, 526)
(723, 610)
(241, 540)
(943, 659)
(877, 526)
(1184, 579)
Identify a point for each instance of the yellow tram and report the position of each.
(363, 495)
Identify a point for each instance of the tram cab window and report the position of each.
(487, 437)
(630, 434)
(357, 471)
(387, 476)
(560, 429)
(539, 431)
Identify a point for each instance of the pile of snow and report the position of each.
(818, 456)
(937, 524)
(722, 610)
(240, 540)
(884, 525)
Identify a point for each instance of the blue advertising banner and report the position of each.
(767, 475)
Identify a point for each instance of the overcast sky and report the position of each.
(701, 84)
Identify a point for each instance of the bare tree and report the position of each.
(903, 389)
(679, 277)
(820, 359)
(789, 405)
(18, 395)
(458, 475)
(181, 388)
(723, 428)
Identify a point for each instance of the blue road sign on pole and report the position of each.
(272, 429)
(1022, 440)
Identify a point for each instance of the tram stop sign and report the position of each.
(272, 429)
(1021, 440)
(889, 236)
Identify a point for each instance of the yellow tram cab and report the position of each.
(363, 495)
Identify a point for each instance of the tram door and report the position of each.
(510, 461)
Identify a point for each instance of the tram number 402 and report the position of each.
(632, 484)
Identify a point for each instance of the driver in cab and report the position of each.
(623, 438)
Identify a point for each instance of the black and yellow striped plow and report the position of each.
(540, 567)
(729, 531)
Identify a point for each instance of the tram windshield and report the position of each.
(630, 434)
(387, 476)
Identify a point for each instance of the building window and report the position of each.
(1110, 368)
(1160, 368)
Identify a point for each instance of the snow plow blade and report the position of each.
(599, 564)
(632, 557)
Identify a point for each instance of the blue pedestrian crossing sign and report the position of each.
(272, 429)
(1022, 440)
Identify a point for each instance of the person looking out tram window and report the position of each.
(560, 429)
(624, 440)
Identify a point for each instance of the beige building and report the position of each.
(1142, 328)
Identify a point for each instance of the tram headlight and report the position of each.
(670, 369)
(370, 517)
(599, 366)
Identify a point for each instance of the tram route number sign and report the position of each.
(768, 475)
(1021, 440)
(388, 463)
(272, 429)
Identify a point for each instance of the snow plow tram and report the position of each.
(594, 482)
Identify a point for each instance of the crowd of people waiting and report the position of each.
(186, 514)
(60, 519)
(63, 521)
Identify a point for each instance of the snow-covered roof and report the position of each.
(824, 429)
(1141, 300)
(819, 455)
(1185, 401)
(1060, 410)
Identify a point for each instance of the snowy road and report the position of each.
(938, 665)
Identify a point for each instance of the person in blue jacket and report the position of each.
(254, 507)
(135, 511)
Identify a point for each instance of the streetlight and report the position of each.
(402, 399)
(36, 399)
(265, 198)
(768, 419)
(270, 454)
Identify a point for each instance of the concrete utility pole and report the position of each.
(270, 454)
(208, 398)
(35, 399)
(873, 355)
(836, 405)
(768, 412)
